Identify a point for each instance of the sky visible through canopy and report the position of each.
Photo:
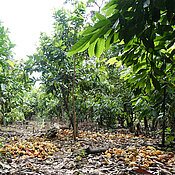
(25, 19)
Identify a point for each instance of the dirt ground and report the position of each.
(24, 151)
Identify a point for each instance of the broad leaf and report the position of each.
(111, 61)
(89, 1)
(102, 23)
(79, 45)
(88, 31)
(100, 33)
(11, 63)
(91, 49)
(108, 41)
(111, 10)
(100, 45)
(108, 5)
(84, 47)
(100, 16)
(155, 82)
(148, 85)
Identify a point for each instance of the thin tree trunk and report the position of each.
(62, 111)
(66, 105)
(164, 110)
(146, 123)
(74, 114)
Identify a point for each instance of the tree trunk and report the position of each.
(74, 114)
(67, 106)
(164, 119)
(146, 123)
(62, 111)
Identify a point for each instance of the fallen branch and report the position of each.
(90, 150)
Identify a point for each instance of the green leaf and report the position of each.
(99, 47)
(170, 44)
(148, 85)
(111, 9)
(96, 35)
(91, 49)
(89, 30)
(89, 1)
(11, 63)
(119, 63)
(79, 45)
(172, 53)
(108, 41)
(157, 71)
(138, 101)
(155, 83)
(100, 16)
(63, 47)
(109, 4)
(115, 38)
(84, 47)
(102, 23)
(111, 61)
(100, 33)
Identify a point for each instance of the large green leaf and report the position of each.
(89, 1)
(100, 16)
(155, 82)
(91, 49)
(79, 45)
(11, 63)
(88, 30)
(100, 45)
(102, 23)
(100, 33)
(97, 35)
(84, 47)
(148, 85)
(111, 10)
(111, 61)
(108, 41)
(109, 4)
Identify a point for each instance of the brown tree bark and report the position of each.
(66, 105)
(74, 114)
(164, 117)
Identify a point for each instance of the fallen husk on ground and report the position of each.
(92, 153)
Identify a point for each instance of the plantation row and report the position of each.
(116, 69)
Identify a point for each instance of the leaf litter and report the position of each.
(92, 153)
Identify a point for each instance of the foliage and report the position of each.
(52, 60)
(127, 78)
(144, 32)
(17, 84)
(14, 82)
(143, 48)
(39, 105)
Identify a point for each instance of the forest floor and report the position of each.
(24, 150)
